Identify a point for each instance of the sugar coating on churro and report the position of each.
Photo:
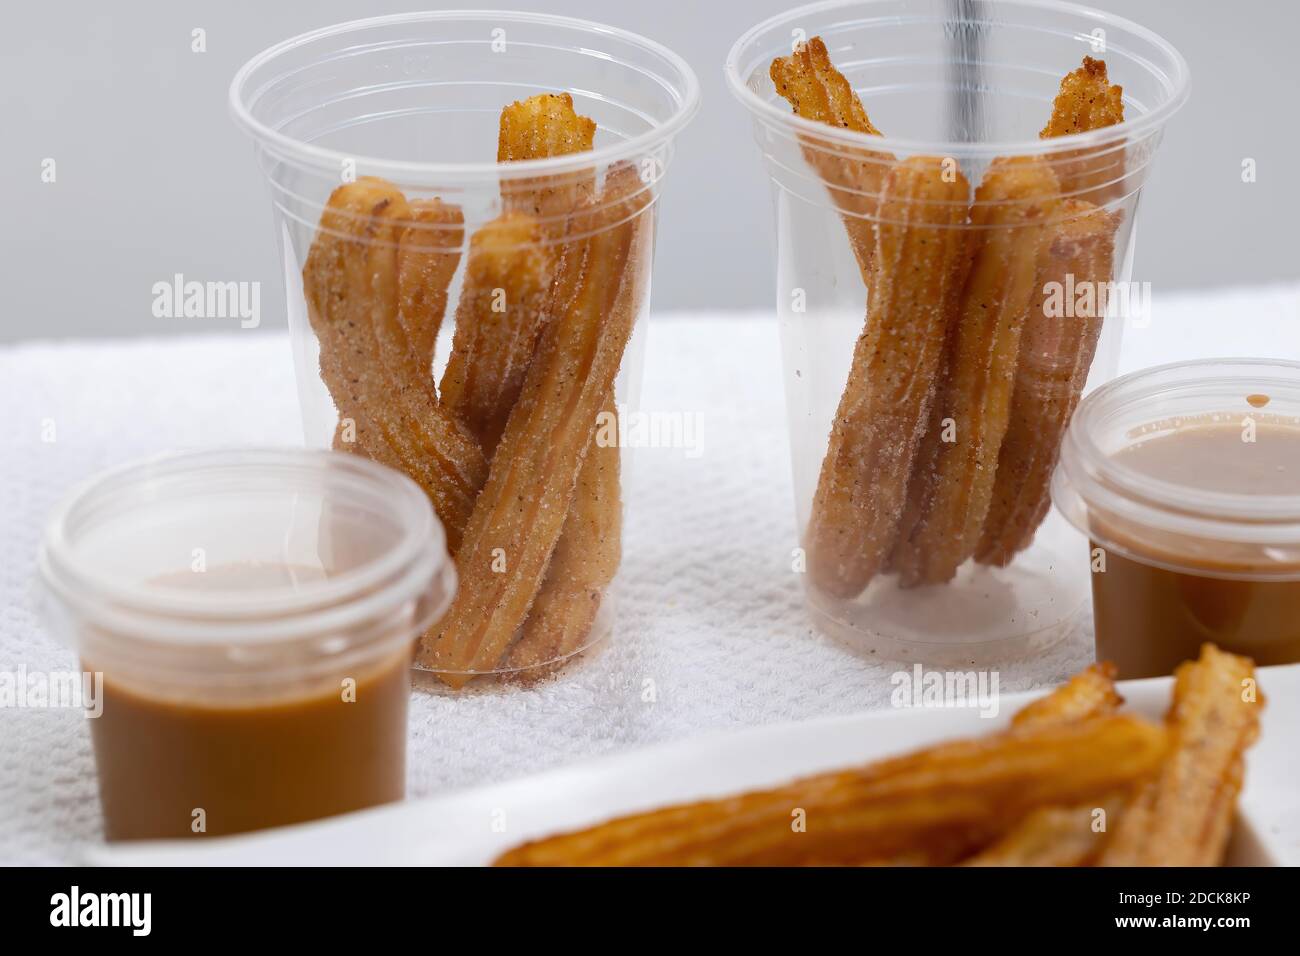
(878, 426)
(594, 300)
(1056, 352)
(428, 254)
(540, 127)
(952, 484)
(351, 287)
(1086, 101)
(1183, 815)
(498, 319)
(584, 561)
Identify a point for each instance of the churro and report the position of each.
(915, 275)
(817, 91)
(1087, 101)
(1183, 815)
(1057, 349)
(536, 128)
(351, 287)
(1055, 836)
(878, 812)
(498, 320)
(427, 256)
(1089, 693)
(594, 299)
(584, 561)
(952, 483)
(1056, 352)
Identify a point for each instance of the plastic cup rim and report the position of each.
(687, 95)
(774, 115)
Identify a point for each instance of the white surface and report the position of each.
(710, 611)
(473, 827)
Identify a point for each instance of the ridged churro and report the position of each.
(427, 256)
(1056, 352)
(916, 274)
(1069, 835)
(595, 296)
(1183, 815)
(817, 91)
(1089, 693)
(537, 128)
(952, 483)
(1055, 836)
(878, 812)
(498, 319)
(498, 323)
(1087, 101)
(584, 561)
(351, 286)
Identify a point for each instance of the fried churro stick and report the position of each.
(879, 812)
(1061, 836)
(427, 256)
(916, 273)
(498, 320)
(350, 282)
(538, 127)
(1056, 353)
(596, 294)
(513, 260)
(499, 316)
(1089, 693)
(1057, 350)
(817, 91)
(1183, 815)
(1055, 836)
(583, 564)
(1086, 102)
(952, 483)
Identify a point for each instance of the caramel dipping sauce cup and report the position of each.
(253, 614)
(1175, 565)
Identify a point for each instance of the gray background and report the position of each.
(154, 179)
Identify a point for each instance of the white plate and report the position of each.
(473, 826)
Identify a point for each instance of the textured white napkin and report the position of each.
(709, 609)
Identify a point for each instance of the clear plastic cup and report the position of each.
(416, 101)
(892, 519)
(252, 616)
(1190, 554)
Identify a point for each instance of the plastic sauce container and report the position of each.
(1186, 478)
(252, 614)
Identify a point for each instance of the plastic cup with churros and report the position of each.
(953, 276)
(467, 249)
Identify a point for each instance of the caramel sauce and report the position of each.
(1151, 618)
(175, 763)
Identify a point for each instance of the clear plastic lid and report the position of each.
(1197, 523)
(208, 566)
